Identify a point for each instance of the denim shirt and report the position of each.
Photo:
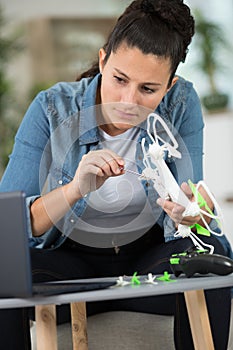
(60, 126)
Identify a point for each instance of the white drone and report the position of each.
(165, 184)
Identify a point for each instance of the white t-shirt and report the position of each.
(118, 212)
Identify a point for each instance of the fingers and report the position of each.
(104, 163)
(175, 211)
(187, 190)
(95, 168)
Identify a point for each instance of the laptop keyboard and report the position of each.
(55, 288)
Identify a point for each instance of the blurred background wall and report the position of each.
(55, 40)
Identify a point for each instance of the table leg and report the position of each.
(199, 320)
(46, 329)
(79, 325)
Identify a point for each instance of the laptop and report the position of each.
(15, 264)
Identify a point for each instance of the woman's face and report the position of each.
(132, 86)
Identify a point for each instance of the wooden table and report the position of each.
(193, 289)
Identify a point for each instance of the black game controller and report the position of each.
(200, 261)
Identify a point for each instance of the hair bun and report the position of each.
(147, 6)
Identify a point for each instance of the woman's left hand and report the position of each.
(175, 211)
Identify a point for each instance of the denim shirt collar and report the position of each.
(88, 126)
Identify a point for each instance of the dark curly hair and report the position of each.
(160, 27)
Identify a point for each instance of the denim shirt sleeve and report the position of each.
(23, 170)
(26, 170)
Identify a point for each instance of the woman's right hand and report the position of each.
(94, 169)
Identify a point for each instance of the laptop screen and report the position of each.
(15, 266)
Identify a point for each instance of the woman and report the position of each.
(75, 144)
